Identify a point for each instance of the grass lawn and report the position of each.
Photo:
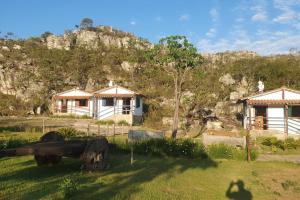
(150, 178)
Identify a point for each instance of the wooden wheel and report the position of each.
(51, 136)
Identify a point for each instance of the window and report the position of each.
(108, 102)
(81, 102)
(294, 111)
(138, 102)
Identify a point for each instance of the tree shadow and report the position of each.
(240, 194)
(33, 182)
(145, 169)
(109, 184)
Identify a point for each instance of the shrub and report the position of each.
(123, 122)
(290, 143)
(220, 151)
(229, 152)
(274, 143)
(105, 122)
(68, 132)
(68, 187)
(166, 147)
(12, 143)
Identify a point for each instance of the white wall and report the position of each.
(73, 109)
(275, 119)
(274, 96)
(75, 93)
(138, 111)
(116, 90)
(294, 126)
(291, 95)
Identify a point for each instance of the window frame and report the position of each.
(105, 102)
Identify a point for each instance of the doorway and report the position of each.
(261, 117)
(126, 106)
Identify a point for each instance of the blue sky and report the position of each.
(264, 26)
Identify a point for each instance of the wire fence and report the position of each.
(44, 125)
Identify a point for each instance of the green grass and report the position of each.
(149, 178)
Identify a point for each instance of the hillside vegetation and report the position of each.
(32, 70)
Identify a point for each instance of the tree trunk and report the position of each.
(176, 109)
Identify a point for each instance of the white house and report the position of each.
(277, 110)
(112, 103)
(118, 103)
(73, 101)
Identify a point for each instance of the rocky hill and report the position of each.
(32, 70)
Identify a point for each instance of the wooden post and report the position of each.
(250, 118)
(114, 125)
(286, 128)
(248, 145)
(99, 129)
(88, 130)
(122, 130)
(131, 155)
(43, 126)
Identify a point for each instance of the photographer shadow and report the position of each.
(240, 194)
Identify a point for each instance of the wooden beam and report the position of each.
(250, 118)
(286, 128)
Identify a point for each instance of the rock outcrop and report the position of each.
(93, 38)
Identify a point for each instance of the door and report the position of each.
(126, 106)
(261, 117)
(64, 105)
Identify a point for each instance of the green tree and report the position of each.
(176, 56)
(86, 23)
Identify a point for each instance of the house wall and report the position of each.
(294, 126)
(73, 109)
(75, 93)
(138, 111)
(291, 95)
(117, 90)
(275, 118)
(274, 96)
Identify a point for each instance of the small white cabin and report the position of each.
(277, 110)
(118, 103)
(73, 101)
(112, 103)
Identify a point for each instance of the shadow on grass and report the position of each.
(120, 181)
(240, 193)
(126, 179)
(33, 182)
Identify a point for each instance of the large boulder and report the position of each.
(214, 125)
(227, 80)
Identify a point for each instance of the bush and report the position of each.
(220, 151)
(229, 152)
(105, 122)
(123, 122)
(68, 187)
(12, 143)
(274, 143)
(166, 147)
(68, 132)
(290, 143)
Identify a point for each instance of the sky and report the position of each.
(265, 26)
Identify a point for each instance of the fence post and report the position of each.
(43, 126)
(248, 143)
(98, 129)
(88, 130)
(114, 125)
(122, 129)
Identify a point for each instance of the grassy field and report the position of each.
(150, 178)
